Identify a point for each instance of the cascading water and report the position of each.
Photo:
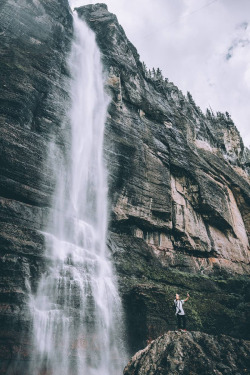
(77, 315)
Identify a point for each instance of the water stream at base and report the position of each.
(77, 314)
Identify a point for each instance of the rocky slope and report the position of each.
(179, 195)
(195, 353)
(35, 37)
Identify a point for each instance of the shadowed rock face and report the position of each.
(35, 38)
(179, 196)
(178, 182)
(191, 353)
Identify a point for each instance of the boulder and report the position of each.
(192, 353)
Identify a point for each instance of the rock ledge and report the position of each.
(193, 353)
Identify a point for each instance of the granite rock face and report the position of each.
(179, 196)
(35, 37)
(193, 353)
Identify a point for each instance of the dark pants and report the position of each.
(181, 321)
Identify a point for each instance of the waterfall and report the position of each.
(77, 314)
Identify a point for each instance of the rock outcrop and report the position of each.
(35, 38)
(196, 353)
(179, 196)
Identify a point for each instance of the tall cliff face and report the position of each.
(35, 39)
(178, 182)
(179, 192)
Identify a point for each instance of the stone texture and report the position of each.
(218, 304)
(35, 39)
(193, 353)
(172, 168)
(178, 183)
(179, 197)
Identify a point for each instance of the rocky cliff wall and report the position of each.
(178, 182)
(35, 37)
(179, 196)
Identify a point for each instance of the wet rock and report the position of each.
(35, 38)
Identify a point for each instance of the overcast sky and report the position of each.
(203, 46)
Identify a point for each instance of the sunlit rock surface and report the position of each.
(193, 353)
(179, 195)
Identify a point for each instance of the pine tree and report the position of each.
(190, 99)
(208, 114)
(159, 74)
(220, 116)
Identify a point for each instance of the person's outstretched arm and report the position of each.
(188, 296)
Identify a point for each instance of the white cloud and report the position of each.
(191, 40)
